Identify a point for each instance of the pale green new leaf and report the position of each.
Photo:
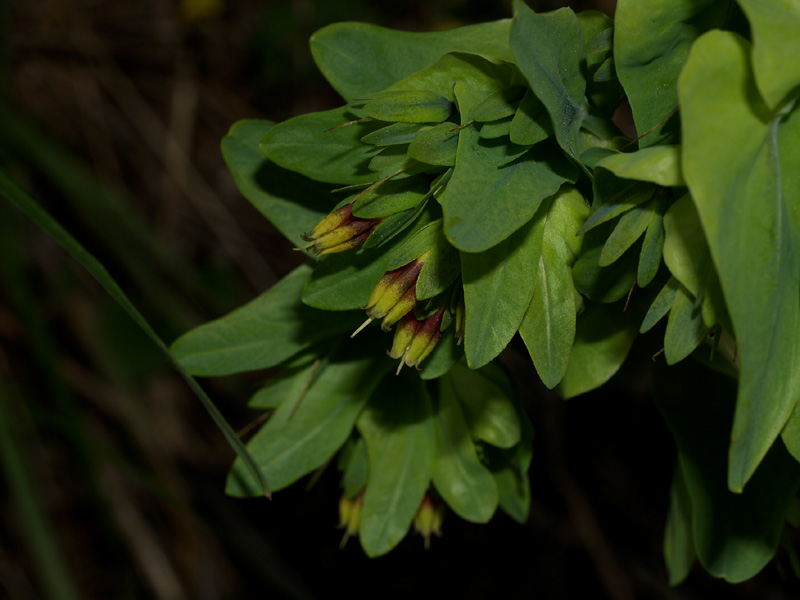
(734, 151)
(659, 164)
(679, 553)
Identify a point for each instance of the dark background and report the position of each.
(112, 113)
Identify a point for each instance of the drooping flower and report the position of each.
(339, 231)
(349, 516)
(428, 520)
(395, 295)
(415, 339)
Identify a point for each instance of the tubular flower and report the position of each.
(414, 340)
(339, 231)
(428, 520)
(349, 516)
(395, 295)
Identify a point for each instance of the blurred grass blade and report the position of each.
(46, 552)
(39, 216)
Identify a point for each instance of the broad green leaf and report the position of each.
(484, 204)
(679, 553)
(410, 106)
(344, 281)
(735, 535)
(436, 146)
(459, 477)
(357, 472)
(548, 328)
(548, 49)
(652, 39)
(423, 239)
(293, 204)
(441, 268)
(396, 133)
(390, 197)
(260, 334)
(733, 153)
(531, 123)
(394, 161)
(287, 387)
(390, 227)
(308, 145)
(776, 45)
(685, 327)
(661, 305)
(360, 59)
(489, 411)
(302, 436)
(659, 164)
(38, 215)
(628, 229)
(498, 285)
(791, 433)
(603, 336)
(397, 427)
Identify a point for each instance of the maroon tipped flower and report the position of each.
(339, 231)
(395, 295)
(350, 516)
(428, 520)
(414, 340)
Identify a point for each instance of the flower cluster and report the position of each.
(339, 231)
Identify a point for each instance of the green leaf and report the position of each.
(497, 105)
(396, 133)
(774, 25)
(359, 59)
(293, 204)
(390, 197)
(661, 305)
(409, 106)
(38, 215)
(548, 328)
(484, 204)
(357, 471)
(397, 427)
(735, 535)
(628, 229)
(489, 411)
(531, 123)
(446, 354)
(440, 270)
(653, 245)
(436, 146)
(548, 49)
(603, 284)
(344, 281)
(603, 336)
(496, 129)
(310, 145)
(679, 553)
(685, 327)
(652, 39)
(459, 477)
(301, 436)
(660, 165)
(262, 333)
(498, 285)
(394, 161)
(423, 240)
(613, 196)
(287, 387)
(685, 249)
(734, 154)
